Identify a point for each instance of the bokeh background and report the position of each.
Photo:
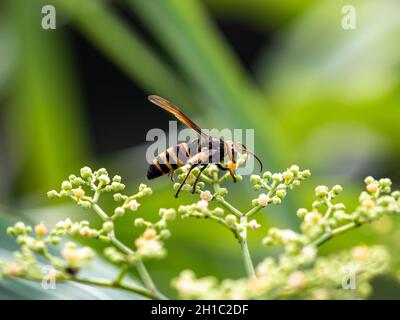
(317, 95)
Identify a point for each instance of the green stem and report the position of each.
(245, 250)
(226, 204)
(143, 273)
(253, 211)
(122, 273)
(330, 234)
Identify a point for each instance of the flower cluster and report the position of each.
(327, 218)
(295, 277)
(276, 185)
(36, 242)
(297, 272)
(86, 190)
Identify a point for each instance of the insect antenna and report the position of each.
(247, 151)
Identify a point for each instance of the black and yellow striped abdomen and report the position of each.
(170, 159)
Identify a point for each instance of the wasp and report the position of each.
(201, 152)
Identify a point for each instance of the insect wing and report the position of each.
(171, 108)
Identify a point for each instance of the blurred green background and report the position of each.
(317, 95)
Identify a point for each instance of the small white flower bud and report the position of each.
(134, 205)
(277, 177)
(202, 205)
(263, 200)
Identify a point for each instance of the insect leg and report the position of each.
(198, 177)
(227, 169)
(184, 180)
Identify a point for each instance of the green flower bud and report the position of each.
(222, 191)
(116, 178)
(301, 213)
(267, 241)
(108, 226)
(53, 194)
(267, 175)
(71, 177)
(295, 183)
(256, 187)
(255, 178)
(148, 191)
(337, 189)
(101, 171)
(321, 191)
(276, 200)
(385, 182)
(86, 172)
(219, 212)
(231, 220)
(316, 204)
(117, 197)
(139, 222)
(116, 186)
(104, 179)
(238, 177)
(54, 240)
(78, 181)
(369, 180)
(11, 231)
(339, 206)
(66, 185)
(119, 212)
(165, 234)
(63, 193)
(281, 194)
(20, 227)
(396, 194)
(169, 214)
(176, 186)
(84, 204)
(306, 173)
(294, 169)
